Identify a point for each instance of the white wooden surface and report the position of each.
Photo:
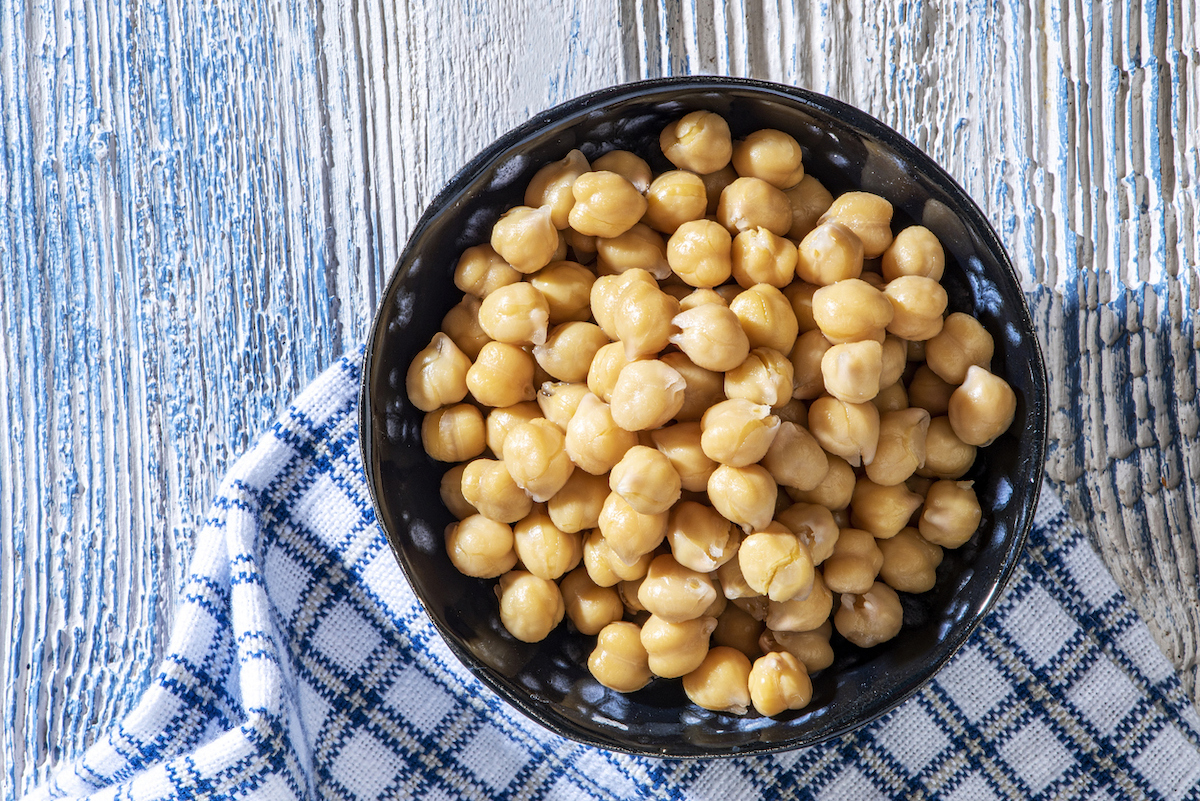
(201, 203)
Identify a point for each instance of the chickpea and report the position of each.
(500, 421)
(919, 485)
(537, 459)
(699, 142)
(961, 343)
(761, 257)
(881, 509)
(807, 356)
(480, 547)
(545, 550)
(530, 607)
(867, 215)
(604, 567)
(951, 514)
(854, 563)
(744, 495)
(776, 564)
(733, 584)
(894, 358)
(737, 432)
(765, 377)
(489, 487)
(702, 388)
(630, 534)
(754, 605)
(794, 411)
(647, 395)
(481, 271)
(437, 375)
(551, 186)
(583, 248)
(891, 399)
(569, 350)
(851, 310)
(629, 166)
(526, 238)
(928, 391)
(917, 306)
(674, 593)
(646, 480)
(873, 278)
(800, 295)
(834, 491)
(594, 441)
(795, 458)
(501, 376)
(700, 538)
(714, 185)
(701, 253)
(851, 371)
(676, 648)
(767, 317)
(829, 253)
(802, 613)
(674, 198)
(813, 525)
(577, 505)
(901, 448)
(869, 618)
(810, 199)
(681, 444)
(567, 287)
(558, 402)
(753, 203)
(712, 337)
(628, 591)
(606, 293)
(461, 324)
(606, 204)
(607, 364)
(982, 408)
(914, 251)
(450, 491)
(778, 682)
(810, 647)
(946, 456)
(736, 628)
(771, 155)
(909, 562)
(721, 682)
(699, 297)
(640, 247)
(453, 433)
(620, 661)
(643, 319)
(848, 430)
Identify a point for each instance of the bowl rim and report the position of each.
(965, 208)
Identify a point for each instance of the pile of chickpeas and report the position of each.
(698, 412)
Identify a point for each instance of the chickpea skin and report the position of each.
(646, 480)
(909, 562)
(480, 547)
(714, 185)
(606, 204)
(700, 538)
(771, 155)
(854, 563)
(453, 433)
(647, 395)
(590, 607)
(779, 682)
(569, 349)
(776, 564)
(545, 550)
(721, 682)
(674, 198)
(914, 251)
(606, 293)
(807, 357)
(530, 607)
(437, 375)
(481, 271)
(753, 203)
(620, 661)
(867, 215)
(810, 199)
(502, 420)
(700, 252)
(607, 364)
(551, 186)
(831, 252)
(928, 391)
(951, 514)
(744, 495)
(761, 257)
(869, 618)
(643, 319)
(604, 567)
(699, 142)
(736, 628)
(962, 342)
(681, 444)
(712, 337)
(526, 238)
(810, 647)
(450, 491)
(802, 614)
(594, 441)
(501, 376)
(834, 491)
(982, 408)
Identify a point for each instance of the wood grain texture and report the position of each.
(202, 202)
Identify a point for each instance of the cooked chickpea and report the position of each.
(481, 271)
(744, 495)
(674, 593)
(800, 295)
(894, 360)
(630, 534)
(674, 198)
(569, 350)
(699, 142)
(526, 238)
(928, 391)
(712, 337)
(721, 682)
(647, 395)
(607, 364)
(699, 297)
(810, 199)
(461, 324)
(583, 248)
(701, 253)
(594, 441)
(851, 371)
(501, 376)
(681, 444)
(761, 257)
(919, 485)
(982, 408)
(641, 247)
(831, 252)
(851, 310)
(771, 155)
(813, 525)
(577, 505)
(810, 647)
(480, 547)
(714, 185)
(775, 563)
(767, 317)
(881, 509)
(500, 421)
(891, 399)
(558, 402)
(488, 486)
(567, 287)
(437, 375)
(530, 607)
(630, 166)
(873, 278)
(702, 388)
(778, 682)
(536, 456)
(854, 563)
(795, 458)
(736, 628)
(962, 342)
(604, 567)
(551, 186)
(620, 661)
(946, 456)
(737, 432)
(646, 480)
(643, 319)
(801, 613)
(848, 430)
(951, 514)
(453, 433)
(794, 411)
(867, 215)
(834, 491)
(545, 550)
(733, 584)
(606, 204)
(807, 356)
(909, 562)
(917, 306)
(676, 648)
(606, 293)
(914, 251)
(871, 617)
(628, 591)
(753, 203)
(901, 448)
(700, 538)
(450, 491)
(765, 377)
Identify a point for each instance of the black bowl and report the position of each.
(549, 681)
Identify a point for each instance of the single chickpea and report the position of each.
(591, 607)
(594, 441)
(604, 567)
(437, 375)
(567, 288)
(946, 456)
(753, 203)
(700, 296)
(577, 505)
(851, 370)
(702, 388)
(873, 278)
(810, 647)
(914, 251)
(917, 306)
(640, 247)
(647, 395)
(501, 376)
(569, 350)
(854, 563)
(551, 186)
(802, 613)
(721, 682)
(733, 584)
(700, 252)
(700, 538)
(461, 324)
(867, 215)
(771, 155)
(794, 411)
(675, 593)
(848, 430)
(909, 562)
(676, 649)
(851, 310)
(502, 420)
(795, 458)
(489, 487)
(737, 432)
(814, 526)
(480, 547)
(607, 364)
(681, 444)
(643, 319)
(629, 166)
(620, 661)
(628, 591)
(712, 337)
(453, 433)
(882, 510)
(545, 550)
(765, 377)
(761, 257)
(951, 514)
(674, 198)
(530, 607)
(776, 564)
(744, 495)
(537, 459)
(606, 293)
(779, 682)
(737, 629)
(919, 485)
(901, 448)
(928, 391)
(961, 343)
(558, 402)
(699, 142)
(982, 408)
(894, 360)
(829, 253)
(810, 199)
(807, 356)
(714, 185)
(526, 238)
(834, 491)
(767, 317)
(606, 204)
(646, 480)
(583, 248)
(891, 399)
(450, 491)
(481, 271)
(869, 618)
(630, 534)
(728, 292)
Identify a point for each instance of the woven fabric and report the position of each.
(301, 666)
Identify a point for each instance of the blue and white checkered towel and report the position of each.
(302, 666)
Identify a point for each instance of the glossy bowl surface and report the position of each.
(549, 681)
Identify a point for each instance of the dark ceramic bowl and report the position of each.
(549, 681)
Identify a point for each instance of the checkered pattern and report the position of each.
(301, 666)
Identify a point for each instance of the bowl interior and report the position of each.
(549, 681)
